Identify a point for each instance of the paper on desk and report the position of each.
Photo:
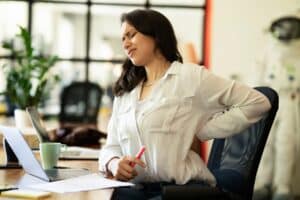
(81, 183)
(79, 153)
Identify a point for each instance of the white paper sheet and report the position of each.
(81, 183)
(79, 153)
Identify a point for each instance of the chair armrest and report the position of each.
(192, 192)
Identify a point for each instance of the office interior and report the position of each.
(228, 37)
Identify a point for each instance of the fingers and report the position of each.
(138, 162)
(120, 177)
(124, 171)
(134, 173)
(124, 175)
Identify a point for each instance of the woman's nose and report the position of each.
(126, 44)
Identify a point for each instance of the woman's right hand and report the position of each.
(124, 169)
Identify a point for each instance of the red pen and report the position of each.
(138, 155)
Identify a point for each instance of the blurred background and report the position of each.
(86, 36)
(229, 37)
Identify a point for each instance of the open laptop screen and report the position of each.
(72, 153)
(23, 152)
(38, 124)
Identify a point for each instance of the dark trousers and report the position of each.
(145, 191)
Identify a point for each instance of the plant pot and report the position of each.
(22, 119)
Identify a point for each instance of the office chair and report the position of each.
(233, 161)
(80, 103)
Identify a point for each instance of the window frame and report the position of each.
(87, 59)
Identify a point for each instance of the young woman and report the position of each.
(163, 104)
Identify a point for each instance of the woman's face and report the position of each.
(139, 48)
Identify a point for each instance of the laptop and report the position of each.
(38, 124)
(28, 161)
(71, 153)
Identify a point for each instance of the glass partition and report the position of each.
(105, 74)
(68, 72)
(80, 1)
(121, 1)
(188, 26)
(179, 2)
(60, 29)
(12, 15)
(106, 32)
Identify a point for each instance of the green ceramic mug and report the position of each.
(49, 152)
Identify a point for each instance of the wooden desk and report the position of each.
(11, 176)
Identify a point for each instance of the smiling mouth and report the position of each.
(130, 53)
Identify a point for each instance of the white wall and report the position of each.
(238, 33)
(238, 38)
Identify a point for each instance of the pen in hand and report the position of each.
(138, 155)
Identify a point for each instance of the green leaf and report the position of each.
(25, 71)
(7, 45)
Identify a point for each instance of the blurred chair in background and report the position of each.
(80, 103)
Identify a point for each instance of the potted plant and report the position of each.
(27, 77)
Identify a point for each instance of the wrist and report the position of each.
(112, 165)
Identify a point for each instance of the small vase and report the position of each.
(22, 119)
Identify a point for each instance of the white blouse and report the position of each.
(187, 101)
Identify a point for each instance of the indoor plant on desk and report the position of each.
(27, 77)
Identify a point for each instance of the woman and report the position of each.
(163, 104)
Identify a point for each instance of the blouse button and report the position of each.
(291, 78)
(271, 76)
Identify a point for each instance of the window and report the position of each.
(85, 34)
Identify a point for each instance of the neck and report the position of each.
(156, 70)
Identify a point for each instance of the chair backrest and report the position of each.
(80, 103)
(234, 160)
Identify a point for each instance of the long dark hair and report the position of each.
(157, 26)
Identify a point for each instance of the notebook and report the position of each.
(71, 153)
(26, 194)
(28, 161)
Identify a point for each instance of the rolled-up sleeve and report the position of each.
(231, 106)
(112, 147)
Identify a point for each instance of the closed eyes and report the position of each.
(132, 34)
(129, 35)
